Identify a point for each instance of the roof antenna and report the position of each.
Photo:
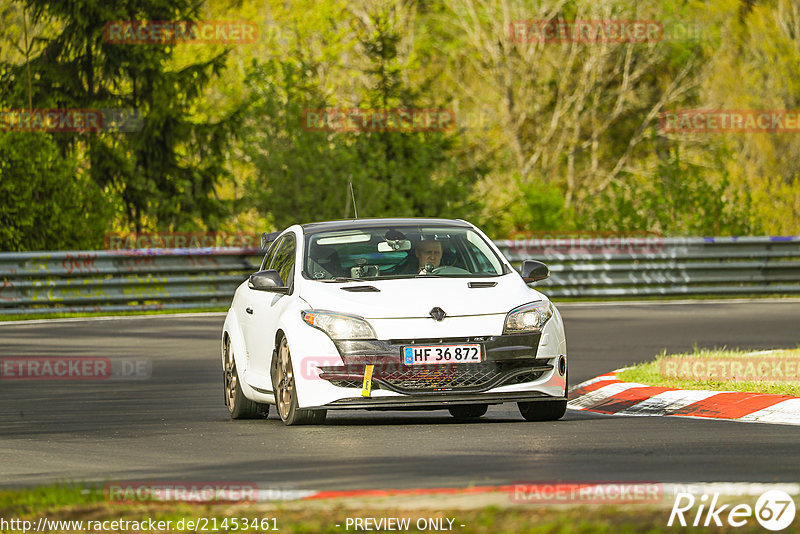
(353, 196)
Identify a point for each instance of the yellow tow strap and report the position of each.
(366, 389)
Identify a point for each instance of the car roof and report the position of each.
(354, 224)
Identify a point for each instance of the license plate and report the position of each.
(441, 354)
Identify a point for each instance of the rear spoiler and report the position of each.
(266, 239)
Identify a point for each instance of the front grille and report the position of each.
(433, 378)
(439, 377)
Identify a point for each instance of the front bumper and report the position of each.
(516, 368)
(506, 359)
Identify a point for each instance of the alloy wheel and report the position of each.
(285, 380)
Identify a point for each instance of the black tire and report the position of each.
(545, 410)
(468, 411)
(239, 406)
(286, 392)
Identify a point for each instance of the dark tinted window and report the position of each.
(378, 252)
(270, 254)
(283, 261)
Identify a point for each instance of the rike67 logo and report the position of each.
(774, 510)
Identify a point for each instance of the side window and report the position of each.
(283, 261)
(270, 254)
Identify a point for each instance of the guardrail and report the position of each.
(155, 279)
(617, 267)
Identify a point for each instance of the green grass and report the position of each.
(655, 374)
(30, 316)
(41, 499)
(73, 502)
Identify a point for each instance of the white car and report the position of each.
(391, 314)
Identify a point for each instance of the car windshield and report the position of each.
(399, 252)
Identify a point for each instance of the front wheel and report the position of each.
(239, 406)
(286, 393)
(546, 410)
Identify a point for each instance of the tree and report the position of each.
(755, 67)
(573, 115)
(303, 174)
(43, 205)
(163, 175)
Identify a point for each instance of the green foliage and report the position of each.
(162, 175)
(42, 203)
(566, 136)
(303, 174)
(537, 207)
(681, 199)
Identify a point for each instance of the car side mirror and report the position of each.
(268, 280)
(533, 271)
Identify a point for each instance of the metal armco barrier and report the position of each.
(124, 280)
(652, 266)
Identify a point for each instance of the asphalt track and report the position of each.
(174, 425)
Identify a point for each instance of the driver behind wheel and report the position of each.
(429, 255)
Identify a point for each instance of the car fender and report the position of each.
(233, 330)
(560, 331)
(309, 348)
(552, 346)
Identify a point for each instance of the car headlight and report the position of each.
(339, 325)
(528, 317)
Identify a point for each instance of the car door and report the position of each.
(264, 309)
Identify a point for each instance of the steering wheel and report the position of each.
(449, 269)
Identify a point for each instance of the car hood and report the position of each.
(416, 297)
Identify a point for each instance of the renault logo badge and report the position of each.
(437, 313)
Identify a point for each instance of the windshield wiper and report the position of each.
(342, 279)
